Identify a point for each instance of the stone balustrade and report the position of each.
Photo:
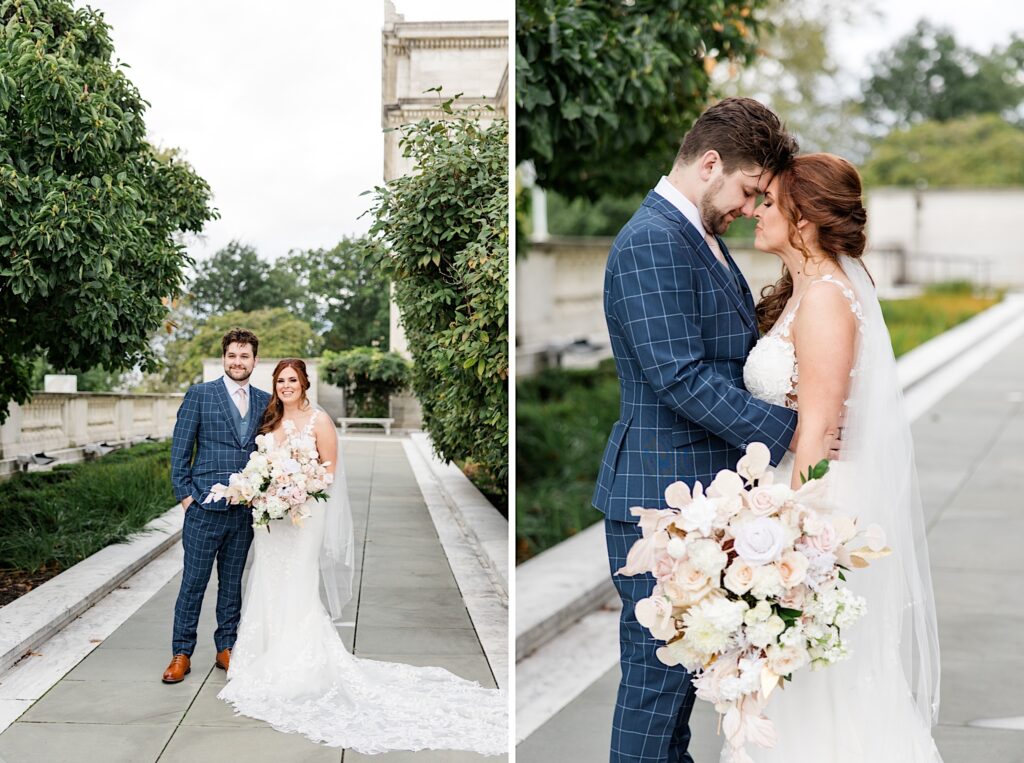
(61, 424)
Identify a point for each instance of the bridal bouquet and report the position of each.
(749, 586)
(277, 481)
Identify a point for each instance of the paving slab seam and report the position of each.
(485, 598)
(32, 619)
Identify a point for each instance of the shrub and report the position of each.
(444, 230)
(369, 377)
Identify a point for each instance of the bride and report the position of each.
(289, 666)
(827, 353)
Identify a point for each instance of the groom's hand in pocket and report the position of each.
(186, 502)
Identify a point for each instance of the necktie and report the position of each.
(241, 401)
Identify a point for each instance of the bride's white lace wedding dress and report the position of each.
(877, 706)
(290, 668)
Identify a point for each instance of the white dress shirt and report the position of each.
(675, 197)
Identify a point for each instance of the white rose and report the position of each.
(761, 501)
(767, 582)
(759, 541)
(784, 660)
(676, 547)
(707, 556)
(758, 614)
(739, 577)
(764, 633)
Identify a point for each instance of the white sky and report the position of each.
(977, 24)
(276, 105)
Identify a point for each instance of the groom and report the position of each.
(218, 420)
(681, 320)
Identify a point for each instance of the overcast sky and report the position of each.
(977, 24)
(276, 105)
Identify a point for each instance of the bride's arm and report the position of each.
(824, 334)
(326, 442)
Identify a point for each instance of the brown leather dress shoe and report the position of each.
(224, 658)
(180, 667)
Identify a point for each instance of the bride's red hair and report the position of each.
(275, 408)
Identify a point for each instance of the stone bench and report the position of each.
(345, 421)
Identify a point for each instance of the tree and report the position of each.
(236, 278)
(928, 76)
(341, 293)
(281, 335)
(973, 151)
(606, 91)
(90, 217)
(445, 234)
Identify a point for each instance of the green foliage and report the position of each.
(65, 515)
(606, 91)
(563, 418)
(340, 293)
(281, 335)
(973, 151)
(444, 231)
(342, 297)
(90, 215)
(237, 279)
(369, 377)
(604, 216)
(926, 75)
(914, 321)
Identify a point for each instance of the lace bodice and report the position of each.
(771, 372)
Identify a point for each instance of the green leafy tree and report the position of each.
(445, 235)
(339, 291)
(973, 151)
(369, 376)
(606, 91)
(236, 278)
(927, 75)
(90, 217)
(281, 334)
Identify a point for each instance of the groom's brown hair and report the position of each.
(744, 132)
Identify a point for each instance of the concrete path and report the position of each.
(407, 607)
(968, 449)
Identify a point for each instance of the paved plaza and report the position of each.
(969, 450)
(407, 606)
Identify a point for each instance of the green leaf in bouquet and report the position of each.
(842, 576)
(789, 616)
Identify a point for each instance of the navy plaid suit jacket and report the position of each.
(680, 333)
(204, 424)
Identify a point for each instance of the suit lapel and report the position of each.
(705, 254)
(748, 298)
(225, 401)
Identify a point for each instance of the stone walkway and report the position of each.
(406, 607)
(968, 449)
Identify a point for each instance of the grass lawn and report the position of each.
(51, 520)
(563, 418)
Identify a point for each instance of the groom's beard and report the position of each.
(713, 218)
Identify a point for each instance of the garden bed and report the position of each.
(52, 520)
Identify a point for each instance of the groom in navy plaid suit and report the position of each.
(681, 320)
(217, 421)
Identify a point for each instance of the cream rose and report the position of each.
(692, 585)
(784, 660)
(792, 568)
(739, 577)
(761, 501)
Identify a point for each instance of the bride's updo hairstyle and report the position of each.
(275, 408)
(825, 190)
